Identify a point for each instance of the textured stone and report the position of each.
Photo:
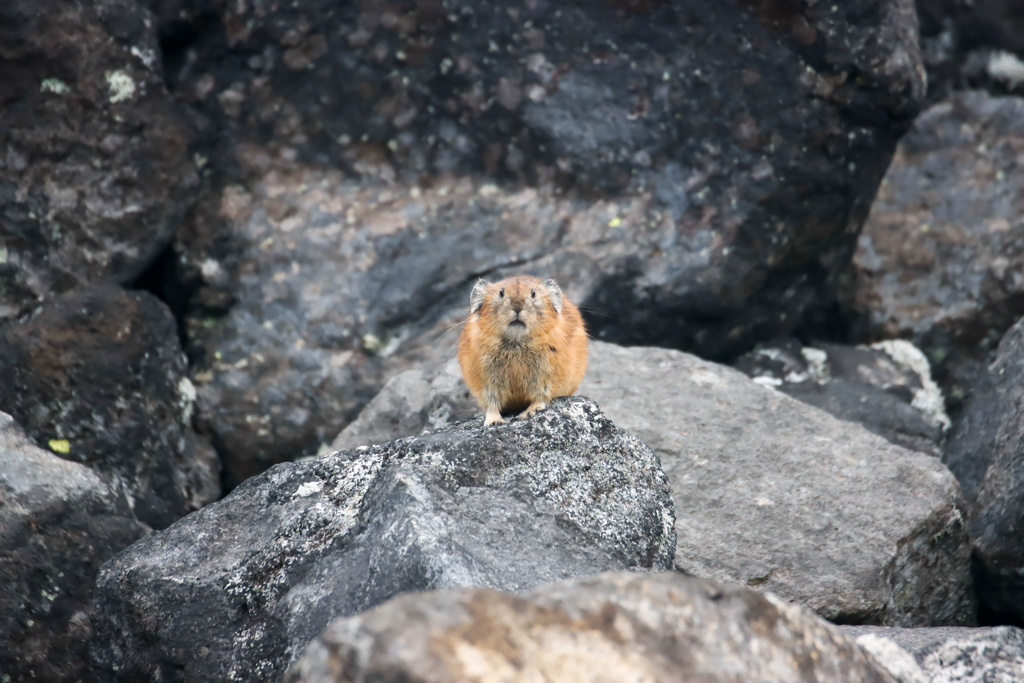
(945, 655)
(970, 44)
(769, 492)
(419, 399)
(613, 627)
(98, 376)
(236, 590)
(886, 387)
(696, 172)
(94, 168)
(941, 258)
(986, 453)
(59, 521)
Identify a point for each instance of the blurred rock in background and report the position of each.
(941, 258)
(95, 172)
(696, 176)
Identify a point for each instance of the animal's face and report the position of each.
(516, 307)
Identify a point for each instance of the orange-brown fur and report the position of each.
(521, 367)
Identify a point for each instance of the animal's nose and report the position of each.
(517, 307)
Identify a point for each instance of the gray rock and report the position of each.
(986, 453)
(612, 627)
(941, 258)
(58, 522)
(98, 376)
(236, 590)
(886, 387)
(945, 655)
(697, 172)
(95, 173)
(419, 399)
(773, 493)
(779, 495)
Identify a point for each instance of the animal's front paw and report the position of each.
(493, 417)
(534, 407)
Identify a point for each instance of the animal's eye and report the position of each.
(501, 293)
(533, 293)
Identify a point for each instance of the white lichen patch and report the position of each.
(1006, 67)
(309, 488)
(768, 381)
(54, 85)
(146, 55)
(122, 87)
(817, 364)
(928, 399)
(186, 398)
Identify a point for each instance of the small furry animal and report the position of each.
(523, 345)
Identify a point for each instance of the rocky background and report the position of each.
(238, 235)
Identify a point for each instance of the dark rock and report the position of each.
(769, 491)
(695, 172)
(236, 590)
(986, 453)
(95, 174)
(613, 627)
(945, 655)
(886, 387)
(971, 44)
(941, 259)
(59, 521)
(98, 375)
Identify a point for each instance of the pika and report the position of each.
(523, 345)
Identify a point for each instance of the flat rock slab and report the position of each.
(612, 627)
(98, 376)
(769, 491)
(59, 521)
(941, 257)
(986, 453)
(784, 497)
(236, 590)
(945, 655)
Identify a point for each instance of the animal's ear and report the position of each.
(554, 294)
(476, 297)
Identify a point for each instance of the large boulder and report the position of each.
(236, 590)
(769, 492)
(986, 453)
(59, 521)
(941, 258)
(98, 376)
(945, 655)
(698, 172)
(886, 387)
(95, 173)
(613, 627)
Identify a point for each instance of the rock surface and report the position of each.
(59, 521)
(613, 627)
(986, 453)
(98, 376)
(236, 590)
(646, 153)
(770, 492)
(94, 167)
(941, 258)
(420, 399)
(945, 655)
(970, 44)
(886, 387)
